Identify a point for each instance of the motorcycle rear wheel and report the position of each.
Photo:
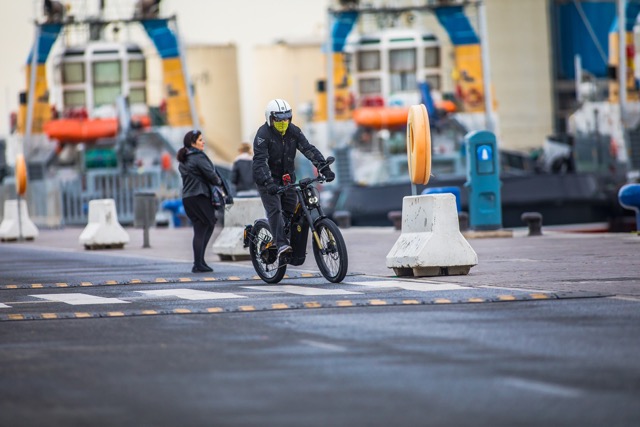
(332, 257)
(264, 254)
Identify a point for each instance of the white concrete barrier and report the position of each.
(14, 225)
(103, 229)
(228, 245)
(431, 243)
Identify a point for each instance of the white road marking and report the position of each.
(412, 286)
(4, 305)
(626, 298)
(301, 290)
(542, 387)
(79, 299)
(540, 291)
(190, 294)
(324, 345)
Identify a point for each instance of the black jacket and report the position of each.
(198, 174)
(274, 154)
(242, 173)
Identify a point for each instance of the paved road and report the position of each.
(543, 331)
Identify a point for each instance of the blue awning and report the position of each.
(342, 25)
(454, 20)
(48, 36)
(163, 38)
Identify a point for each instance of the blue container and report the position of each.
(441, 190)
(629, 198)
(176, 208)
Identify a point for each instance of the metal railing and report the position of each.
(55, 203)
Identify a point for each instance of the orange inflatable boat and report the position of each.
(381, 117)
(85, 130)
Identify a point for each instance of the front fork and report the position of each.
(312, 226)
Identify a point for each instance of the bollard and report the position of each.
(629, 198)
(103, 231)
(396, 218)
(16, 224)
(533, 221)
(430, 243)
(342, 218)
(463, 220)
(144, 207)
(229, 243)
(441, 190)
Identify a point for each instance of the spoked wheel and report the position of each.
(331, 257)
(264, 254)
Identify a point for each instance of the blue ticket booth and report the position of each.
(483, 181)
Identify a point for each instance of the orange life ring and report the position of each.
(419, 144)
(21, 175)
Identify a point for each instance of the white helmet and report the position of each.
(278, 109)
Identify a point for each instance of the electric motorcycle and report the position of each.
(328, 245)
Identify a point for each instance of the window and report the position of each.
(137, 96)
(137, 71)
(74, 98)
(369, 60)
(434, 81)
(432, 57)
(107, 82)
(73, 72)
(369, 86)
(107, 72)
(402, 60)
(105, 95)
(402, 70)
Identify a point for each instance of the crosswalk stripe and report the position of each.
(191, 294)
(411, 286)
(79, 299)
(4, 305)
(301, 290)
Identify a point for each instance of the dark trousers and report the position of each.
(203, 217)
(275, 205)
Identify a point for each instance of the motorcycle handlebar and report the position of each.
(302, 183)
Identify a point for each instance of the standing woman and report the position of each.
(198, 175)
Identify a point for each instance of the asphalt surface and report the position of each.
(543, 331)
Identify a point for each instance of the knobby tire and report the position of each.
(333, 264)
(261, 236)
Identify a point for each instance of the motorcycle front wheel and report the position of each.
(331, 256)
(264, 254)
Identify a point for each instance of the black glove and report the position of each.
(328, 174)
(272, 188)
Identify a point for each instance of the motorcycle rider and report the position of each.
(274, 149)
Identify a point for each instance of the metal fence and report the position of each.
(113, 185)
(56, 202)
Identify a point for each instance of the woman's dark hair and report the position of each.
(189, 139)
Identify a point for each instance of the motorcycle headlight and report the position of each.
(312, 196)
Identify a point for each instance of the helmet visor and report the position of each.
(279, 116)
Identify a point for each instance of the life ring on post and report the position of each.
(21, 175)
(419, 144)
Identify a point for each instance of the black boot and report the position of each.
(201, 269)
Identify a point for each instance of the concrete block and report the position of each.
(15, 225)
(103, 229)
(431, 243)
(244, 211)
